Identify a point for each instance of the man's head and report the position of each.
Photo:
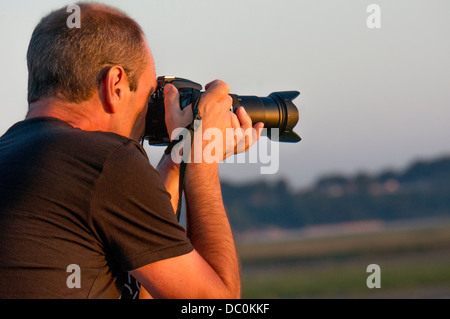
(72, 64)
(72, 61)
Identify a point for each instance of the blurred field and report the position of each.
(414, 259)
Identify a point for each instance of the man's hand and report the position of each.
(175, 117)
(237, 131)
(215, 110)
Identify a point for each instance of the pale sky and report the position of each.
(371, 99)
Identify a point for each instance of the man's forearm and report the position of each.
(170, 172)
(208, 227)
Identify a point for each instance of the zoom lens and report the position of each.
(277, 111)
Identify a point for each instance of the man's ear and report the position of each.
(113, 88)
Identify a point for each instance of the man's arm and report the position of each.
(170, 174)
(207, 222)
(208, 227)
(211, 270)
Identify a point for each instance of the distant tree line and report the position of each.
(422, 190)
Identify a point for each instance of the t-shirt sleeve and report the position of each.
(131, 213)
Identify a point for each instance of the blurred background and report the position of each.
(370, 181)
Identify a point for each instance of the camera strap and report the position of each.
(192, 128)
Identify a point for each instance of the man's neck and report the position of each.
(73, 113)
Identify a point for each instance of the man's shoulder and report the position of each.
(72, 139)
(61, 141)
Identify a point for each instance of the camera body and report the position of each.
(276, 111)
(155, 125)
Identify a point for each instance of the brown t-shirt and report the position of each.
(78, 210)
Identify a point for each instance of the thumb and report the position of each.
(171, 98)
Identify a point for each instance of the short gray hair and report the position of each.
(71, 62)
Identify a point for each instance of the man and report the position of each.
(81, 208)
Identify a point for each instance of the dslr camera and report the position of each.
(276, 111)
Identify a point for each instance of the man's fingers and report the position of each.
(238, 142)
(216, 91)
(258, 128)
(244, 118)
(246, 121)
(245, 135)
(174, 116)
(246, 124)
(188, 116)
(171, 98)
